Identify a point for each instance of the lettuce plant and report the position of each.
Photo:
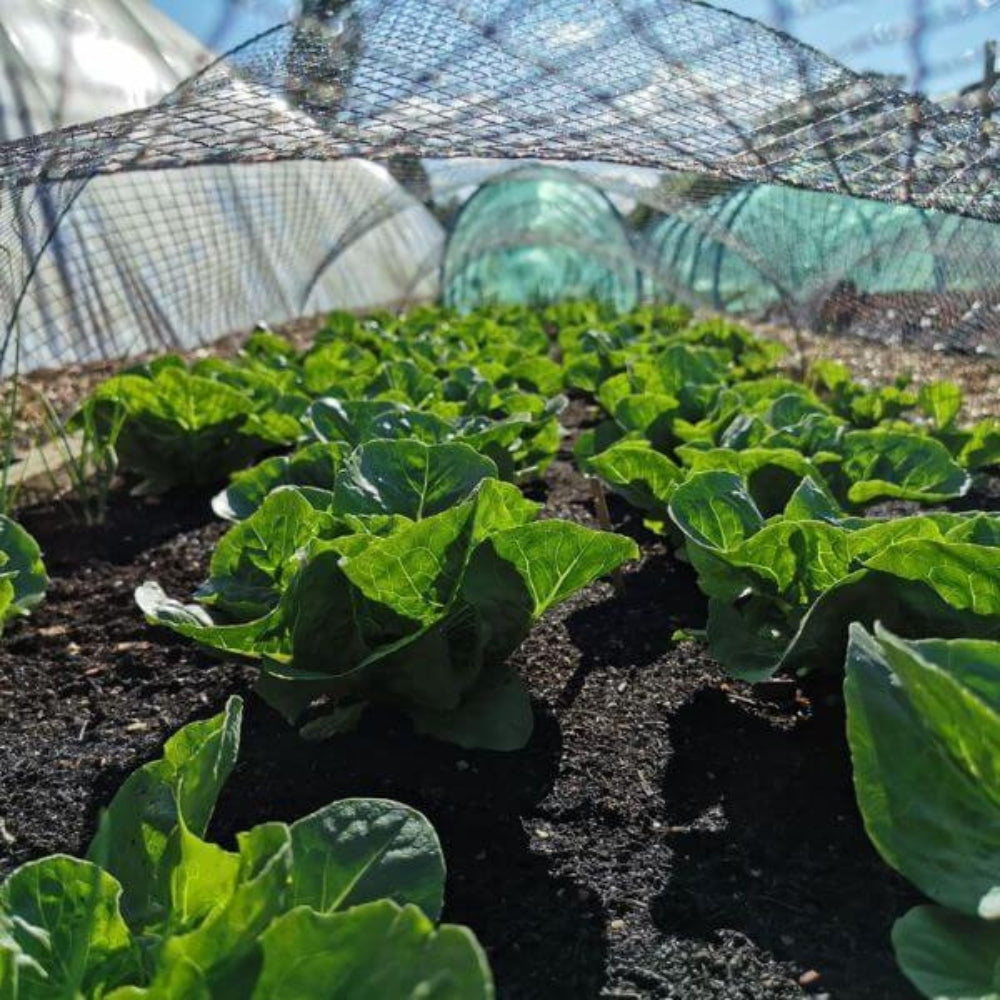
(429, 358)
(783, 590)
(862, 405)
(174, 427)
(518, 442)
(860, 468)
(22, 573)
(780, 438)
(923, 722)
(341, 903)
(595, 351)
(694, 405)
(453, 466)
(340, 426)
(408, 585)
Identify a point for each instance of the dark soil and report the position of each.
(667, 833)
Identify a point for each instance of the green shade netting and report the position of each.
(539, 235)
(758, 245)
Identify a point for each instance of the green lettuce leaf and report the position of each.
(926, 751)
(947, 955)
(360, 850)
(409, 478)
(355, 422)
(715, 511)
(982, 450)
(137, 827)
(23, 579)
(905, 466)
(772, 475)
(254, 560)
(644, 477)
(942, 402)
(376, 950)
(63, 917)
(265, 636)
(555, 559)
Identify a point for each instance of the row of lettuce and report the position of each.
(381, 552)
(765, 485)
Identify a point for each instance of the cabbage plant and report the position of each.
(341, 903)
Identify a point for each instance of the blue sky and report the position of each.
(865, 34)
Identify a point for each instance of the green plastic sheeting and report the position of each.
(539, 235)
(755, 246)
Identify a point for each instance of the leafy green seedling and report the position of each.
(22, 573)
(342, 903)
(408, 590)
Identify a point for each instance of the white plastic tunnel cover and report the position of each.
(63, 62)
(176, 258)
(171, 259)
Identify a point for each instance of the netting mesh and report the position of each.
(245, 193)
(815, 256)
(536, 236)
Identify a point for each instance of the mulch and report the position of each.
(668, 832)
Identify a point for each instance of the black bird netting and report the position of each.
(323, 163)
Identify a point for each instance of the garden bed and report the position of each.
(668, 832)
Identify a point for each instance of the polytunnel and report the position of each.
(536, 235)
(62, 63)
(120, 264)
(267, 184)
(251, 244)
(757, 248)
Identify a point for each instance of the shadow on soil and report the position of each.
(544, 936)
(772, 845)
(637, 627)
(133, 525)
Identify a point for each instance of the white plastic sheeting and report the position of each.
(155, 260)
(263, 242)
(63, 62)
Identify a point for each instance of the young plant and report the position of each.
(395, 590)
(758, 429)
(923, 722)
(87, 449)
(341, 903)
(172, 427)
(22, 573)
(783, 590)
(341, 425)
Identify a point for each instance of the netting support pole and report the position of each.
(604, 520)
(991, 75)
(800, 350)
